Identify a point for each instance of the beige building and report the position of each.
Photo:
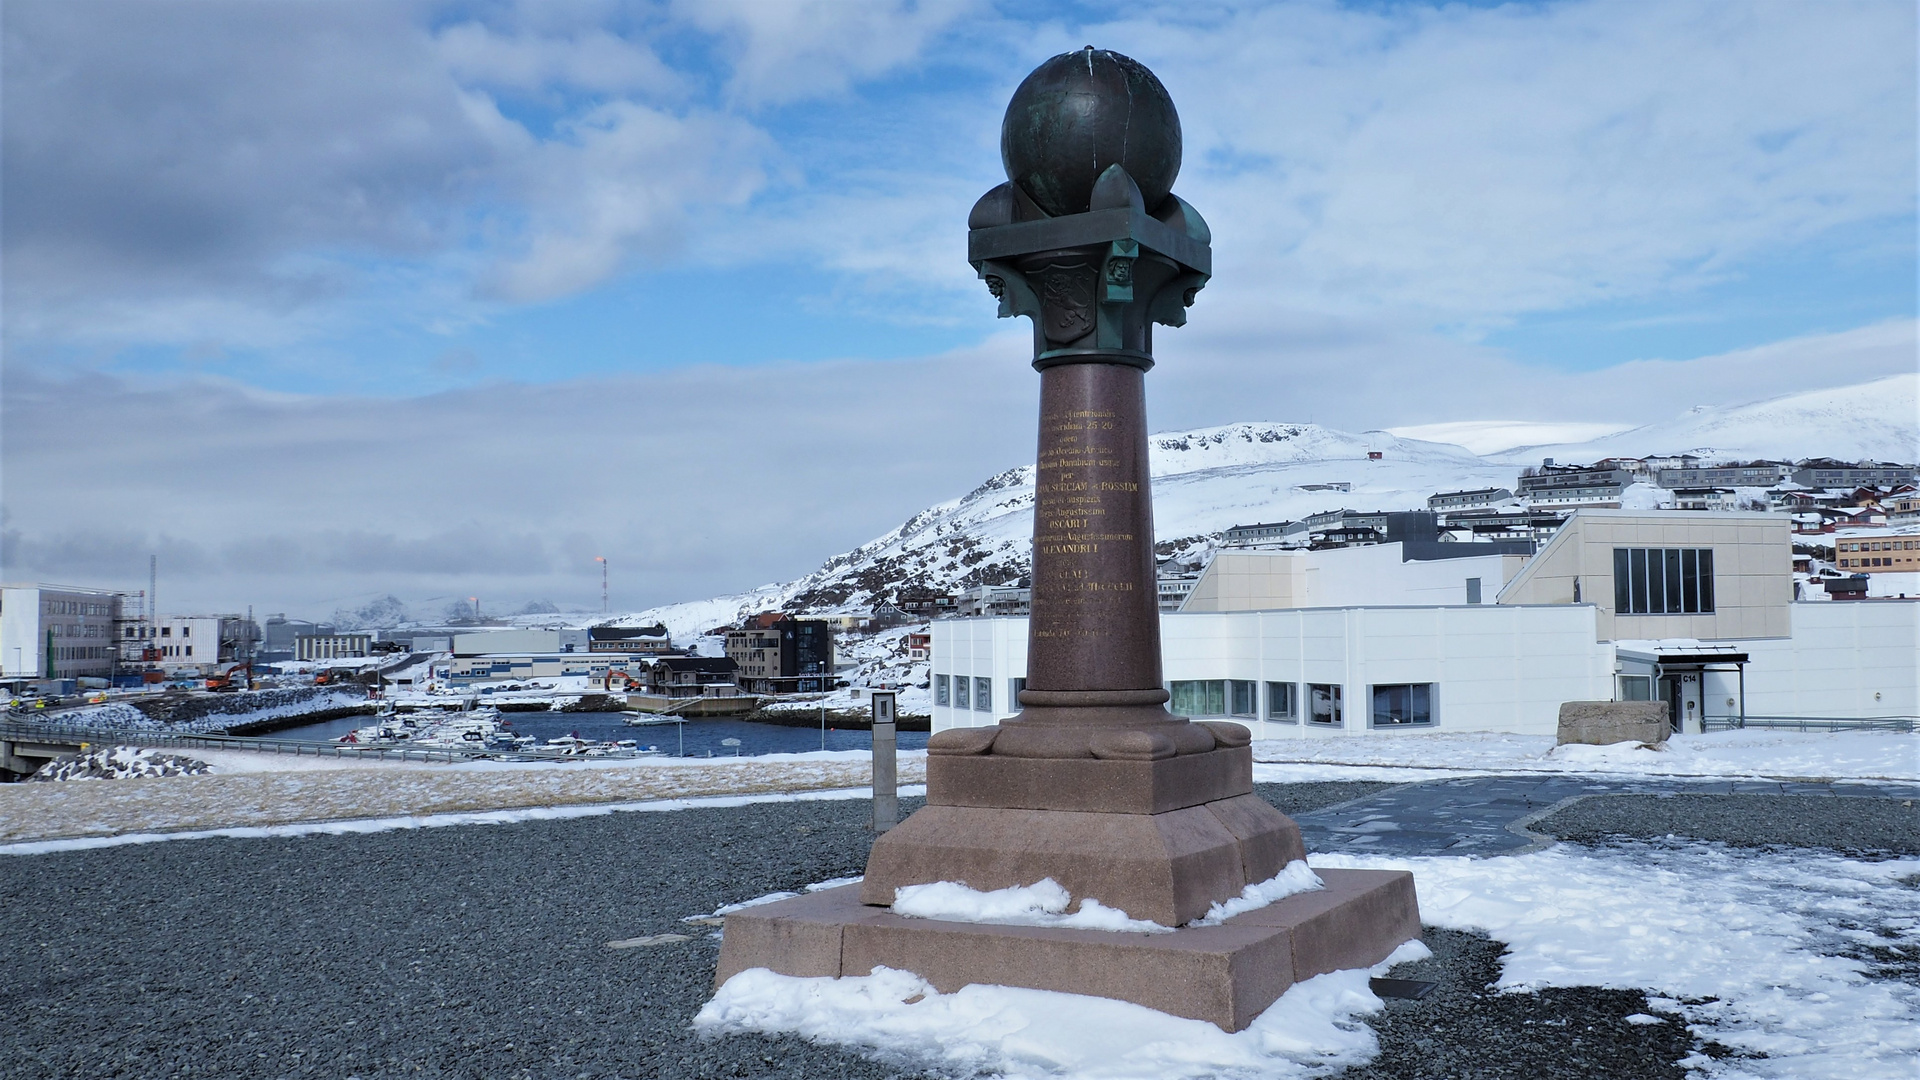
(1881, 554)
(1672, 574)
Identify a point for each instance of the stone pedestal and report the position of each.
(1225, 975)
(1161, 839)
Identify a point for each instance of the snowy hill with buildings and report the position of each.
(1205, 481)
(1210, 479)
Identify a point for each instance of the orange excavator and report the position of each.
(234, 676)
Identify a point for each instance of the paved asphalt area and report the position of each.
(1487, 815)
(481, 951)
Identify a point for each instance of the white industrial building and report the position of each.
(506, 667)
(506, 655)
(180, 641)
(336, 646)
(57, 632)
(1693, 609)
(495, 642)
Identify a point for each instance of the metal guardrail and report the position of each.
(1809, 723)
(17, 732)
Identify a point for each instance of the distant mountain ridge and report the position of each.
(1209, 479)
(1878, 420)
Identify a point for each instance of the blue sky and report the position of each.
(797, 173)
(313, 205)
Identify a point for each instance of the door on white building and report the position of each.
(1685, 706)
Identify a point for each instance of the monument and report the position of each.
(1094, 784)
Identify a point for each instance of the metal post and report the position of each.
(823, 725)
(1742, 669)
(886, 773)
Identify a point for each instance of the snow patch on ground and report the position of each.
(1043, 903)
(119, 763)
(116, 714)
(771, 898)
(1296, 877)
(1837, 755)
(247, 707)
(1780, 955)
(1019, 1034)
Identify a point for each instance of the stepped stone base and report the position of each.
(1168, 867)
(1225, 975)
(1087, 784)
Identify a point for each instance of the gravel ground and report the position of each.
(1300, 798)
(482, 951)
(1464, 1029)
(449, 952)
(1859, 826)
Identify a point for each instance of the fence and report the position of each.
(1809, 723)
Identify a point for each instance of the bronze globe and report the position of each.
(1081, 112)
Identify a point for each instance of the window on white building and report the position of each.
(1636, 688)
(941, 690)
(1283, 702)
(1014, 686)
(1244, 701)
(961, 698)
(1215, 697)
(1403, 705)
(983, 695)
(1662, 581)
(1323, 704)
(1473, 590)
(1199, 697)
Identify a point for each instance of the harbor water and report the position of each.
(698, 737)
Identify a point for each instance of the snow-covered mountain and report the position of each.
(1879, 420)
(1204, 481)
(1210, 479)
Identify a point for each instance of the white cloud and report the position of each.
(1472, 164)
(802, 49)
(279, 175)
(254, 174)
(1463, 166)
(693, 483)
(625, 182)
(584, 57)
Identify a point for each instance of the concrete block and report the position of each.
(1598, 723)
